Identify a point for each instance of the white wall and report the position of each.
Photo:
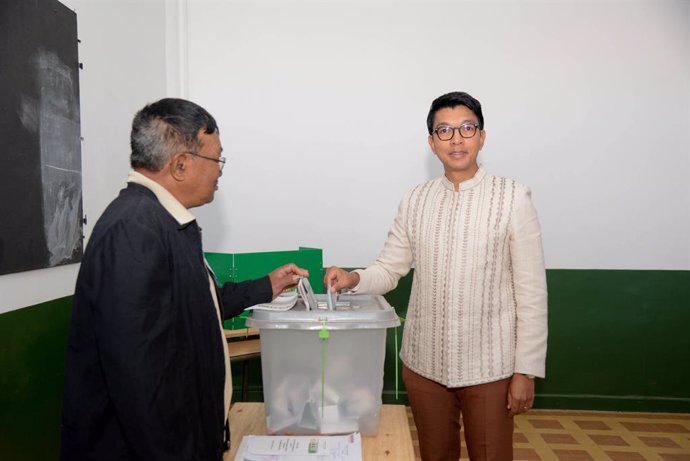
(123, 49)
(303, 91)
(322, 107)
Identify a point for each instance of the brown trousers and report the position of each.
(436, 410)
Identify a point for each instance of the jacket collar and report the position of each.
(182, 215)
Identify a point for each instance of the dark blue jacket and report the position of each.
(145, 367)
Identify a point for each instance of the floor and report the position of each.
(588, 435)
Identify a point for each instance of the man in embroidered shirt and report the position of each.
(476, 326)
(148, 374)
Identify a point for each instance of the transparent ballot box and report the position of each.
(323, 368)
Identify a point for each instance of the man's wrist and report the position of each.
(354, 279)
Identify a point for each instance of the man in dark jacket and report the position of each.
(147, 364)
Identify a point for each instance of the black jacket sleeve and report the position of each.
(238, 296)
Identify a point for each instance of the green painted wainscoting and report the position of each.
(33, 345)
(618, 340)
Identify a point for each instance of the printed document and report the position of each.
(300, 448)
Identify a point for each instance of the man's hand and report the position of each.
(520, 394)
(285, 277)
(340, 279)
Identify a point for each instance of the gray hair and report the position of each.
(166, 127)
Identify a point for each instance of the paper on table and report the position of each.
(300, 448)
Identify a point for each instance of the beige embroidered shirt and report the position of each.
(478, 306)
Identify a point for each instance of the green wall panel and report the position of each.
(236, 267)
(618, 341)
(32, 362)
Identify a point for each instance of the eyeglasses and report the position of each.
(446, 133)
(220, 160)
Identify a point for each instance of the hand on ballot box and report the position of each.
(339, 279)
(285, 277)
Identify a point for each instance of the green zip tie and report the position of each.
(397, 357)
(323, 334)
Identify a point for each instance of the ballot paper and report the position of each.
(283, 302)
(300, 448)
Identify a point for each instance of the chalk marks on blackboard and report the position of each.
(52, 113)
(59, 134)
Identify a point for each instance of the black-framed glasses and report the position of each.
(446, 132)
(220, 160)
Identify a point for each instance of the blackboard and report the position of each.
(40, 147)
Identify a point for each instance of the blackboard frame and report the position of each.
(40, 139)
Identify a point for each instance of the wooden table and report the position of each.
(393, 442)
(243, 345)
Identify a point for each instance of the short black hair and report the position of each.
(454, 99)
(162, 127)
